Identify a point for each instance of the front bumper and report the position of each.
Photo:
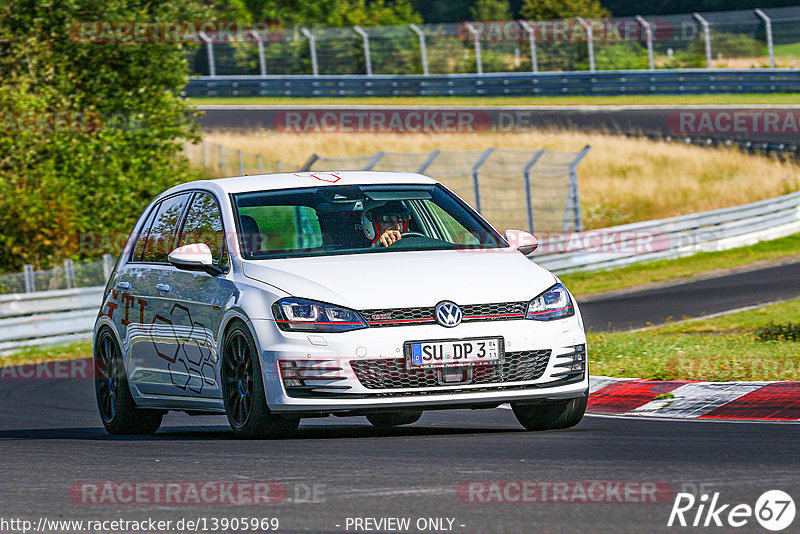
(337, 387)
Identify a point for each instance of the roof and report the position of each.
(289, 180)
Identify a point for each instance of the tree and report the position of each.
(91, 130)
(563, 9)
(491, 10)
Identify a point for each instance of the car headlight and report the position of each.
(303, 315)
(554, 303)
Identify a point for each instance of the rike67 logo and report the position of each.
(774, 510)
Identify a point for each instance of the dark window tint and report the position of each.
(144, 233)
(161, 240)
(204, 225)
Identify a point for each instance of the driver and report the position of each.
(385, 224)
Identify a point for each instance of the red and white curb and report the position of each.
(683, 399)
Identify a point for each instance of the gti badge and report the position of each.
(448, 314)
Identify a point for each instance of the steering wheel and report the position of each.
(412, 234)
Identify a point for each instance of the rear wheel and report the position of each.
(394, 418)
(243, 390)
(117, 408)
(551, 415)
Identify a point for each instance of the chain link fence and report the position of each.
(536, 190)
(727, 39)
(69, 275)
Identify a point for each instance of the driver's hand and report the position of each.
(389, 237)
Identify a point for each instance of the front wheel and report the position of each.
(551, 415)
(117, 408)
(243, 390)
(385, 420)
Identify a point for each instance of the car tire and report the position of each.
(243, 390)
(385, 420)
(118, 410)
(551, 415)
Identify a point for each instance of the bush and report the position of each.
(121, 142)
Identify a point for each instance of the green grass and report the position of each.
(584, 284)
(49, 353)
(760, 344)
(788, 50)
(776, 99)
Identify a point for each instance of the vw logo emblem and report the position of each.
(448, 314)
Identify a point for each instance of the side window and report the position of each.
(165, 225)
(450, 228)
(269, 228)
(144, 233)
(203, 224)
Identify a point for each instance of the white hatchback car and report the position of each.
(277, 297)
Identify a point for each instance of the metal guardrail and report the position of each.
(64, 315)
(582, 83)
(673, 237)
(68, 315)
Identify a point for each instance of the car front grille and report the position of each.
(503, 311)
(392, 373)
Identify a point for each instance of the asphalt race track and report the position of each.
(694, 299)
(52, 441)
(649, 120)
(52, 445)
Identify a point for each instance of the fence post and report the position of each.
(260, 164)
(212, 71)
(574, 199)
(312, 45)
(589, 41)
(307, 165)
(69, 273)
(475, 184)
(706, 35)
(427, 163)
(204, 149)
(374, 161)
(108, 266)
(648, 30)
(27, 272)
(240, 158)
(476, 38)
(527, 175)
(365, 39)
(768, 27)
(422, 48)
(221, 159)
(262, 63)
(532, 40)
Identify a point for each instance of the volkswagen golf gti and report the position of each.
(278, 297)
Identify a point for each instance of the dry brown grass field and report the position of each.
(622, 179)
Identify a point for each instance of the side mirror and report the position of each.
(522, 241)
(194, 257)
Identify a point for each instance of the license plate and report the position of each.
(454, 352)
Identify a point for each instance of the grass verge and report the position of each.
(32, 355)
(760, 344)
(622, 100)
(700, 265)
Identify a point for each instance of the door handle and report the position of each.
(123, 285)
(163, 287)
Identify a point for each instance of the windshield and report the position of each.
(318, 221)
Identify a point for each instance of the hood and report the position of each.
(406, 279)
